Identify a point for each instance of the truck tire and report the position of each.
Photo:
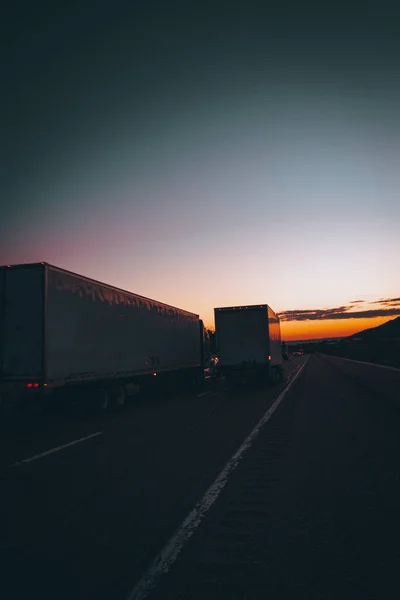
(273, 375)
(199, 379)
(120, 397)
(104, 400)
(132, 389)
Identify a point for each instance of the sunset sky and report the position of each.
(210, 154)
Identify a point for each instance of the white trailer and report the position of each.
(249, 341)
(60, 329)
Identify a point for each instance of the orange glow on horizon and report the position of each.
(311, 330)
(308, 330)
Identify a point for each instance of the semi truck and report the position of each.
(60, 330)
(248, 343)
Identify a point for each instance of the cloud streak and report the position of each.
(386, 301)
(343, 312)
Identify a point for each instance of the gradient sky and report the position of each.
(209, 153)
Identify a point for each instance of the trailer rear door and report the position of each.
(21, 322)
(242, 336)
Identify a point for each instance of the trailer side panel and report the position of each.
(96, 331)
(275, 338)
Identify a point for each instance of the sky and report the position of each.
(209, 154)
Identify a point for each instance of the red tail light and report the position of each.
(35, 385)
(28, 385)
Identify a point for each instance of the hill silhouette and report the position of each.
(390, 329)
(379, 345)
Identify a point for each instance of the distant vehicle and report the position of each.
(214, 360)
(211, 366)
(62, 330)
(298, 353)
(249, 342)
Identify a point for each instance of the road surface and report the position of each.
(310, 510)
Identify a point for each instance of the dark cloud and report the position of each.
(310, 315)
(340, 312)
(386, 301)
(356, 301)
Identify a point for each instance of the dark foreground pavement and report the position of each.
(85, 520)
(313, 509)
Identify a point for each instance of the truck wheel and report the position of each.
(194, 381)
(132, 389)
(198, 382)
(121, 396)
(104, 400)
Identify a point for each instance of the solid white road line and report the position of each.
(361, 362)
(203, 394)
(168, 555)
(201, 420)
(42, 454)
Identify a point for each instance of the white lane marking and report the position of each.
(201, 420)
(168, 555)
(57, 449)
(203, 394)
(361, 362)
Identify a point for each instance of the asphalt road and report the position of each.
(310, 511)
(84, 520)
